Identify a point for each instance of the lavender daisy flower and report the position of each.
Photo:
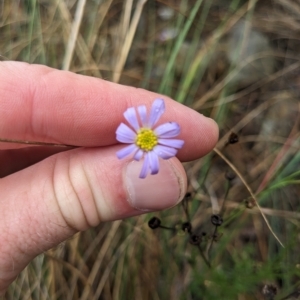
(144, 141)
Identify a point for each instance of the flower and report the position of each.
(144, 140)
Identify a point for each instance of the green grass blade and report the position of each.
(177, 46)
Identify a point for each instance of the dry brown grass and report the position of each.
(255, 95)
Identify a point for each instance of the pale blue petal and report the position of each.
(167, 130)
(127, 151)
(158, 108)
(165, 152)
(138, 155)
(153, 162)
(130, 116)
(173, 143)
(145, 167)
(143, 115)
(125, 135)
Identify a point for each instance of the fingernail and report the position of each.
(155, 192)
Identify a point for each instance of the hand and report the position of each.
(49, 193)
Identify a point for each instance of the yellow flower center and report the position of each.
(146, 139)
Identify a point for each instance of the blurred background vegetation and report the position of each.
(236, 61)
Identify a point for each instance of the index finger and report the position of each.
(42, 104)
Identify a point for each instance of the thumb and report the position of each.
(71, 191)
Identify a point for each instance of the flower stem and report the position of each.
(35, 143)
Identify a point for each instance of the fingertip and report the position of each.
(200, 135)
(214, 131)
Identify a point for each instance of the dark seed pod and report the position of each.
(233, 138)
(195, 239)
(250, 203)
(154, 223)
(229, 175)
(187, 227)
(216, 220)
(188, 195)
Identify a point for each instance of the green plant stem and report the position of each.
(204, 258)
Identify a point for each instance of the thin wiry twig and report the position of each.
(221, 211)
(250, 192)
(11, 141)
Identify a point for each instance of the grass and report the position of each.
(236, 61)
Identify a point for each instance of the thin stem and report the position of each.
(212, 240)
(74, 34)
(204, 258)
(185, 209)
(128, 41)
(168, 228)
(250, 192)
(35, 143)
(228, 186)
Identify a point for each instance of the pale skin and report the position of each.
(50, 193)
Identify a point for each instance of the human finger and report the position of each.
(14, 160)
(71, 191)
(54, 106)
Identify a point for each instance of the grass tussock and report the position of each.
(236, 61)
